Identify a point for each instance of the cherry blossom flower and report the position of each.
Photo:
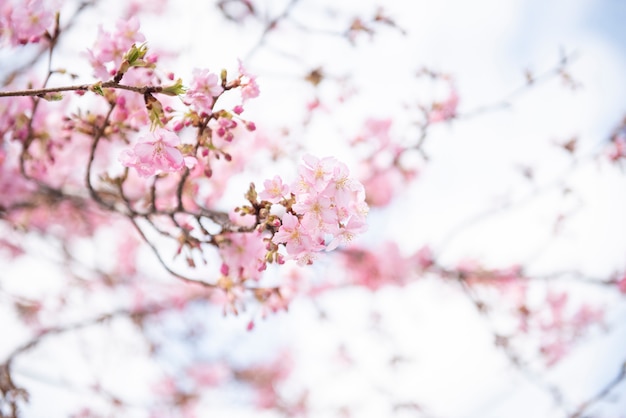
(244, 255)
(275, 190)
(329, 208)
(249, 86)
(296, 239)
(27, 22)
(315, 174)
(107, 53)
(346, 234)
(205, 87)
(154, 154)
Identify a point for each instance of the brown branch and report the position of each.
(163, 263)
(92, 152)
(111, 84)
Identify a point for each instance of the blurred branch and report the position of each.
(560, 70)
(621, 376)
(270, 25)
(512, 356)
(538, 191)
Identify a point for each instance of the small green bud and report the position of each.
(175, 89)
(251, 194)
(136, 53)
(97, 88)
(52, 97)
(155, 111)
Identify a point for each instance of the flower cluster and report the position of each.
(111, 47)
(26, 23)
(383, 173)
(156, 153)
(329, 208)
(384, 265)
(249, 86)
(205, 87)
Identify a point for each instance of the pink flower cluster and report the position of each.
(383, 173)
(563, 329)
(110, 47)
(384, 265)
(205, 87)
(330, 208)
(244, 255)
(27, 21)
(249, 86)
(156, 153)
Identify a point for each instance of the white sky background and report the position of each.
(454, 369)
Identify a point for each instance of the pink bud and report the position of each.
(178, 126)
(224, 269)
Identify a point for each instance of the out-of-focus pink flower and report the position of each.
(424, 257)
(209, 375)
(618, 148)
(621, 284)
(585, 317)
(244, 255)
(155, 153)
(377, 129)
(554, 351)
(380, 267)
(27, 21)
(446, 110)
(556, 303)
(381, 186)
